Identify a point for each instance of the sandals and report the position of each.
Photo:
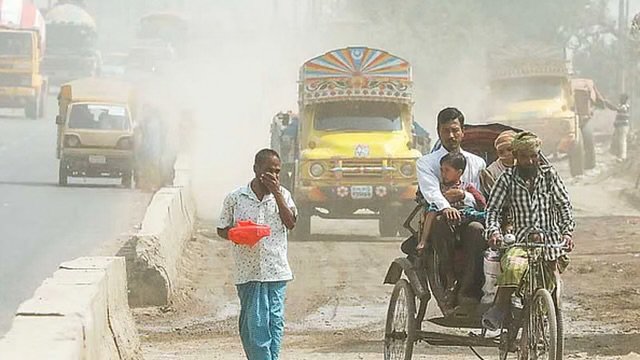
(450, 297)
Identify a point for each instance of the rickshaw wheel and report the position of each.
(557, 297)
(433, 275)
(539, 338)
(400, 329)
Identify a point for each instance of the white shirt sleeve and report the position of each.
(429, 184)
(289, 200)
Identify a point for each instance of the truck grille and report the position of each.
(360, 167)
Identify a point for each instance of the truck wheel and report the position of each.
(42, 100)
(589, 147)
(32, 109)
(302, 231)
(576, 158)
(390, 222)
(388, 226)
(63, 174)
(127, 180)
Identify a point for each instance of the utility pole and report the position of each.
(623, 53)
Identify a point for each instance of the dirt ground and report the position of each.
(336, 305)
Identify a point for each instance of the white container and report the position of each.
(491, 272)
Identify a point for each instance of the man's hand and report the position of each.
(495, 240)
(568, 240)
(454, 195)
(224, 233)
(271, 181)
(452, 214)
(420, 248)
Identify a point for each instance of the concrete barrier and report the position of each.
(79, 313)
(121, 322)
(153, 254)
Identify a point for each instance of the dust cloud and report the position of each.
(243, 65)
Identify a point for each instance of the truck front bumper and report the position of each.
(16, 97)
(341, 201)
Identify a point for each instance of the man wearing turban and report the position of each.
(535, 198)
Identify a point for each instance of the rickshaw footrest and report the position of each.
(439, 339)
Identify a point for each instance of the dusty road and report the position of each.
(43, 224)
(337, 303)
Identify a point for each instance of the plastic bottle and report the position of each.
(491, 272)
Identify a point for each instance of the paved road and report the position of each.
(42, 224)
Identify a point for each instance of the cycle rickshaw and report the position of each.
(535, 327)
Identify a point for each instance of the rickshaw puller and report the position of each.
(536, 198)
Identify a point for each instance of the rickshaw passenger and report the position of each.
(505, 160)
(536, 197)
(451, 131)
(452, 167)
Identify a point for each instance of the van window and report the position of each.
(99, 117)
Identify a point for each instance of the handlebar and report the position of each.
(534, 245)
(562, 245)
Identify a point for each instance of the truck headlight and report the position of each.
(316, 170)
(125, 144)
(71, 141)
(407, 170)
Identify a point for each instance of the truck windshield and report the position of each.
(358, 116)
(527, 89)
(99, 117)
(15, 44)
(62, 39)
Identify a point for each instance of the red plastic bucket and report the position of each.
(248, 233)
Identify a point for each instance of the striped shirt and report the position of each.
(547, 207)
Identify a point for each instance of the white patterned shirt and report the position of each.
(267, 260)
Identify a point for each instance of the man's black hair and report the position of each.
(456, 160)
(450, 114)
(265, 154)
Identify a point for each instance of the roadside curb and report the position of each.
(78, 313)
(154, 252)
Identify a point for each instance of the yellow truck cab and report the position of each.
(96, 130)
(22, 84)
(356, 148)
(530, 89)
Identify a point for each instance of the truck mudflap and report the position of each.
(567, 143)
(418, 283)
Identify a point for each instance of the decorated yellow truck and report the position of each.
(356, 143)
(530, 88)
